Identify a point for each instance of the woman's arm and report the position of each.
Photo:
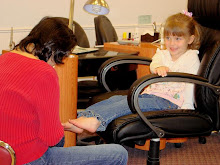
(47, 106)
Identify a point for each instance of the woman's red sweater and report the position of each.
(29, 106)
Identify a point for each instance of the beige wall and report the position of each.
(24, 14)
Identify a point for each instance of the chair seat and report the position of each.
(5, 157)
(89, 88)
(7, 154)
(131, 128)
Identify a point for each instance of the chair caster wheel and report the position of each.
(202, 140)
(178, 145)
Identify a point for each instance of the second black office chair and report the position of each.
(104, 30)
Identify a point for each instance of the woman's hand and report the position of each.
(162, 71)
(72, 128)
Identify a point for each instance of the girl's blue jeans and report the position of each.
(106, 154)
(117, 106)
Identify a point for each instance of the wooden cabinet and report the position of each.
(68, 78)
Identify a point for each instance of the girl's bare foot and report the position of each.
(70, 127)
(90, 124)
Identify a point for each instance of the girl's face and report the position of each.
(177, 45)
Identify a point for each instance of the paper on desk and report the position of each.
(99, 46)
(79, 50)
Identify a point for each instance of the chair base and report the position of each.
(154, 152)
(163, 142)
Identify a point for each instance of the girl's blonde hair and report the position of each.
(183, 25)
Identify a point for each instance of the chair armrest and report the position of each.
(141, 83)
(107, 65)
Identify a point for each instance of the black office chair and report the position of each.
(104, 30)
(91, 88)
(130, 130)
(123, 76)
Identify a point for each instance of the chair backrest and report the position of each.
(206, 100)
(7, 154)
(82, 39)
(207, 15)
(104, 30)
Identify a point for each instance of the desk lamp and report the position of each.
(97, 7)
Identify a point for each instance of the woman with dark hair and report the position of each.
(29, 102)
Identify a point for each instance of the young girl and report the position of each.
(181, 55)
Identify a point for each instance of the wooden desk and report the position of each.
(145, 49)
(89, 63)
(68, 78)
(114, 46)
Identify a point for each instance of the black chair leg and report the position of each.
(154, 152)
(202, 140)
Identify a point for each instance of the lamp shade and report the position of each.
(97, 7)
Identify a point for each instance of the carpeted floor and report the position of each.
(191, 153)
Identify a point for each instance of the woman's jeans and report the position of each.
(106, 154)
(116, 106)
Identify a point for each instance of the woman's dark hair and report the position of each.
(50, 37)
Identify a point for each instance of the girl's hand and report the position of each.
(162, 71)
